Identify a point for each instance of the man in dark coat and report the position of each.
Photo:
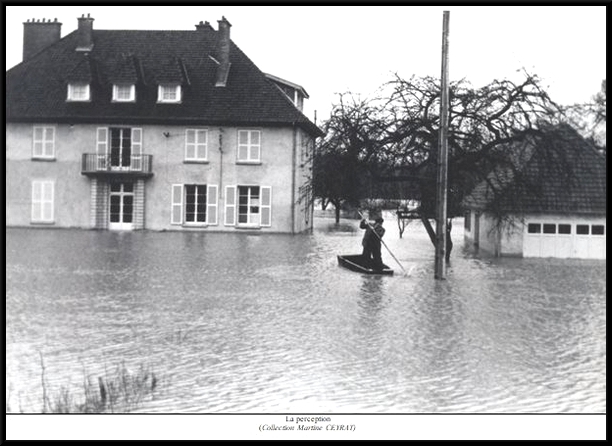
(372, 240)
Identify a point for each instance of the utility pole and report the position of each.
(442, 177)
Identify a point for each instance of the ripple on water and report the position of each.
(242, 323)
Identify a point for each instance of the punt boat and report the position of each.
(358, 264)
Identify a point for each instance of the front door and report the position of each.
(121, 209)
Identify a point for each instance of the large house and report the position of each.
(557, 209)
(161, 130)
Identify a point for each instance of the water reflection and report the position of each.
(256, 323)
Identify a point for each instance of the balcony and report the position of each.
(133, 166)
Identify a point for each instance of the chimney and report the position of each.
(203, 25)
(38, 35)
(85, 33)
(223, 52)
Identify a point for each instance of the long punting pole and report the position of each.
(442, 178)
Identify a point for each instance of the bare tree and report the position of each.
(590, 118)
(394, 137)
(340, 161)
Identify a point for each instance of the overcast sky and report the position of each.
(335, 49)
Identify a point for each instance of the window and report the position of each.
(42, 201)
(534, 228)
(43, 143)
(78, 92)
(565, 229)
(550, 228)
(124, 93)
(249, 146)
(196, 145)
(597, 230)
(119, 148)
(194, 204)
(169, 93)
(248, 206)
(582, 229)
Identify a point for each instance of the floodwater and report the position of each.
(239, 323)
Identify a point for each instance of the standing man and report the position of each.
(372, 240)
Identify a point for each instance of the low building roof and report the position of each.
(563, 174)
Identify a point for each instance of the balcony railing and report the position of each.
(134, 164)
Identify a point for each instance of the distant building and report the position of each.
(162, 130)
(557, 209)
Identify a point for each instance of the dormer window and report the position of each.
(169, 93)
(78, 91)
(124, 93)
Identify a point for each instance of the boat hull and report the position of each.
(358, 264)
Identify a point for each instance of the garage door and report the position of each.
(564, 240)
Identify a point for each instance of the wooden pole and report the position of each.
(441, 181)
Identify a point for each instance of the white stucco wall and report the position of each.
(282, 167)
(72, 192)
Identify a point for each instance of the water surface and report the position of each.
(239, 323)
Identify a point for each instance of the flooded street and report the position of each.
(239, 323)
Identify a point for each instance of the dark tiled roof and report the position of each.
(36, 88)
(565, 174)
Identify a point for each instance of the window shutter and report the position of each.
(177, 205)
(47, 201)
(101, 146)
(49, 141)
(243, 145)
(137, 141)
(37, 194)
(266, 206)
(255, 146)
(230, 205)
(190, 144)
(38, 139)
(211, 204)
(136, 149)
(202, 147)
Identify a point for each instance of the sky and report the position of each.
(330, 50)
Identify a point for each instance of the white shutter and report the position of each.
(37, 194)
(102, 146)
(47, 201)
(255, 146)
(202, 144)
(211, 204)
(230, 205)
(190, 144)
(39, 141)
(266, 206)
(42, 201)
(137, 149)
(243, 145)
(176, 217)
(49, 142)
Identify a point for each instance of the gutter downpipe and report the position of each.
(220, 166)
(293, 160)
